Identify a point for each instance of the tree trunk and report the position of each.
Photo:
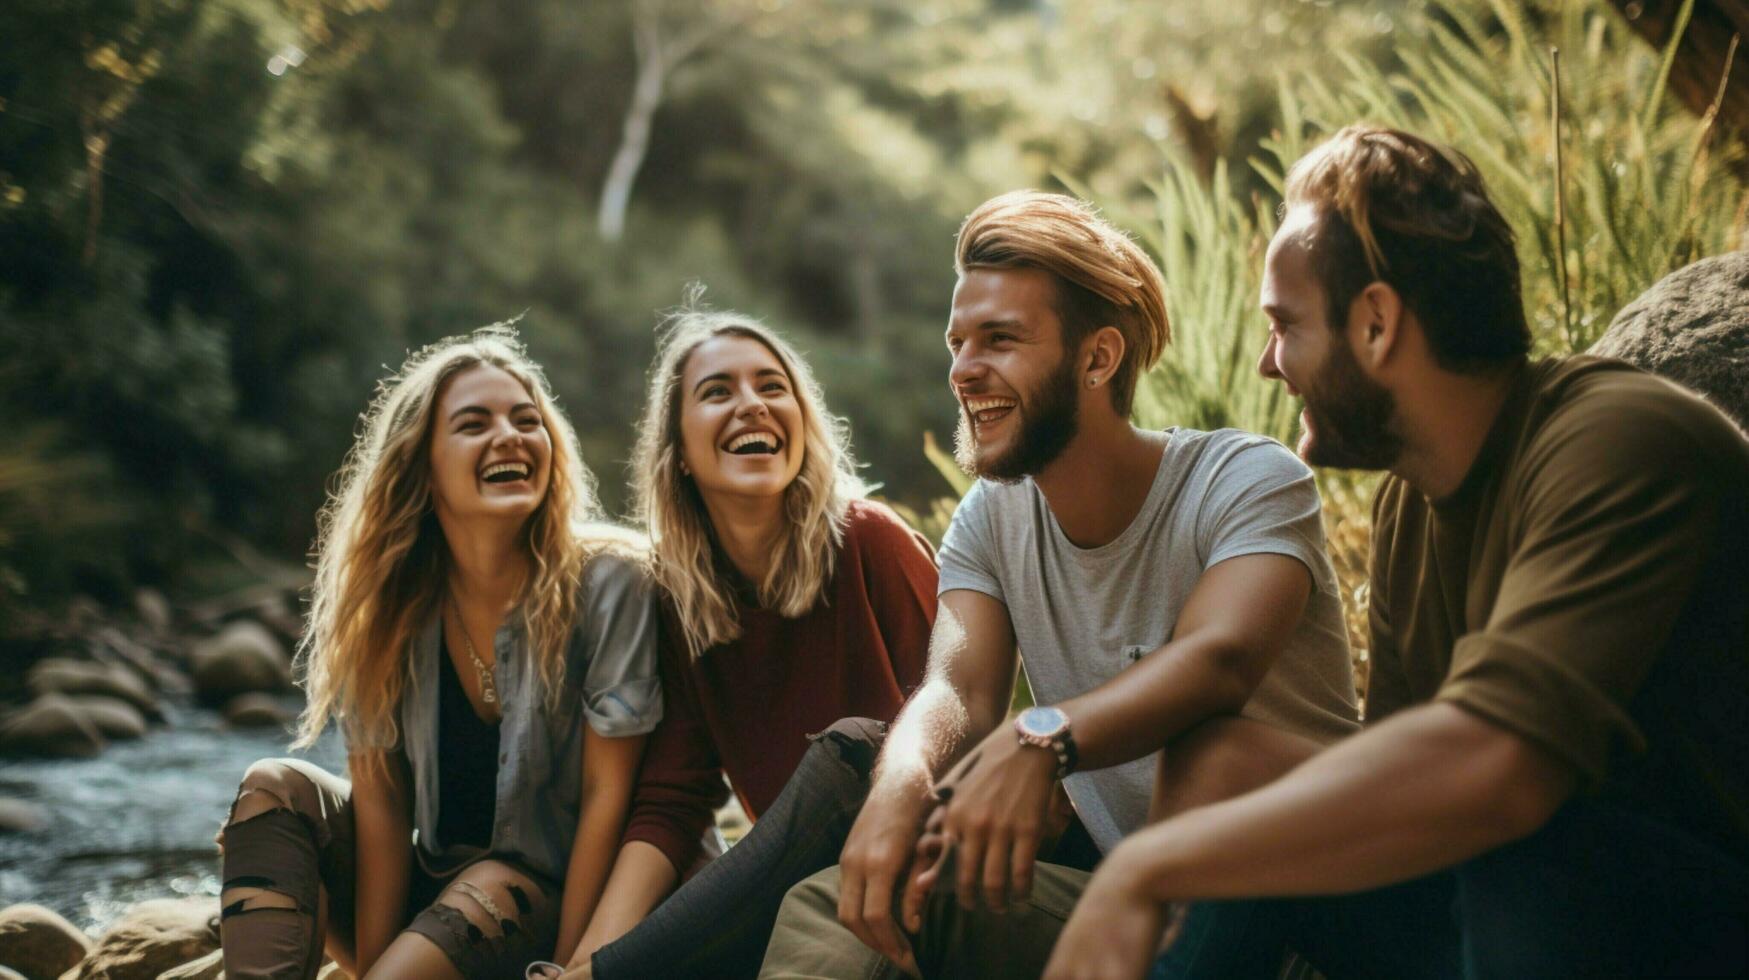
(1700, 55)
(634, 143)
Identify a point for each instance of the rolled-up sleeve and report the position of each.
(613, 650)
(967, 549)
(1262, 499)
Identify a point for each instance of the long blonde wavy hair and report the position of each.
(381, 562)
(689, 564)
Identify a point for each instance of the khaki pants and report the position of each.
(809, 942)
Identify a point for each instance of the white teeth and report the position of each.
(752, 438)
(520, 469)
(985, 404)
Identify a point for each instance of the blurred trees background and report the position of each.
(222, 221)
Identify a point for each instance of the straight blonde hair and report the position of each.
(381, 561)
(688, 562)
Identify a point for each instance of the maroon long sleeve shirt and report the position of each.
(745, 708)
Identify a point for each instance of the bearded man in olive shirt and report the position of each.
(1554, 777)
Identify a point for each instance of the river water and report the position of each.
(136, 822)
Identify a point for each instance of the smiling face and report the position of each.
(491, 454)
(1348, 417)
(741, 430)
(1013, 378)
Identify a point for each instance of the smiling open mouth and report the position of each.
(505, 473)
(985, 411)
(755, 444)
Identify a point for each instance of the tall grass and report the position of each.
(1647, 187)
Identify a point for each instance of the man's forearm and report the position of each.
(1423, 791)
(929, 734)
(1162, 696)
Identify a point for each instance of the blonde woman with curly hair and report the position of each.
(795, 621)
(488, 649)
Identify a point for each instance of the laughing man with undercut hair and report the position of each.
(1163, 588)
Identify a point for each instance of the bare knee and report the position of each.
(495, 898)
(268, 784)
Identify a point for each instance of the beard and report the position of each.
(1048, 421)
(1349, 416)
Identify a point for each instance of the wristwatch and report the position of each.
(1048, 728)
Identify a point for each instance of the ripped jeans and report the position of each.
(290, 861)
(718, 922)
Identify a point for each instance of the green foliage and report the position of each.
(1645, 192)
(221, 222)
(1645, 189)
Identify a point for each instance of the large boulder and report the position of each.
(64, 675)
(114, 718)
(154, 936)
(1692, 327)
(244, 657)
(38, 943)
(50, 726)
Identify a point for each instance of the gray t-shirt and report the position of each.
(1081, 615)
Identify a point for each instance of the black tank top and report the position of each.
(467, 763)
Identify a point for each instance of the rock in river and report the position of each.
(113, 717)
(63, 675)
(242, 658)
(256, 711)
(50, 726)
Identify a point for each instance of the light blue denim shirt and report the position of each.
(610, 681)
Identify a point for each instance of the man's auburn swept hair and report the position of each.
(1103, 277)
(1395, 208)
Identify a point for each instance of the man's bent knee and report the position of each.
(857, 742)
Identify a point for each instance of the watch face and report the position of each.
(1043, 722)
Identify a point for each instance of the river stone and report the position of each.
(1692, 327)
(38, 943)
(8, 973)
(154, 611)
(208, 967)
(256, 710)
(20, 816)
(64, 675)
(113, 717)
(244, 657)
(154, 936)
(50, 726)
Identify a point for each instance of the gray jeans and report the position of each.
(717, 923)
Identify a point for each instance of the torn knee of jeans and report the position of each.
(856, 740)
(466, 930)
(254, 893)
(247, 800)
(487, 908)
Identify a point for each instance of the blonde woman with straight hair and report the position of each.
(479, 636)
(795, 621)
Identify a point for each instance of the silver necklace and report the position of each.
(488, 687)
